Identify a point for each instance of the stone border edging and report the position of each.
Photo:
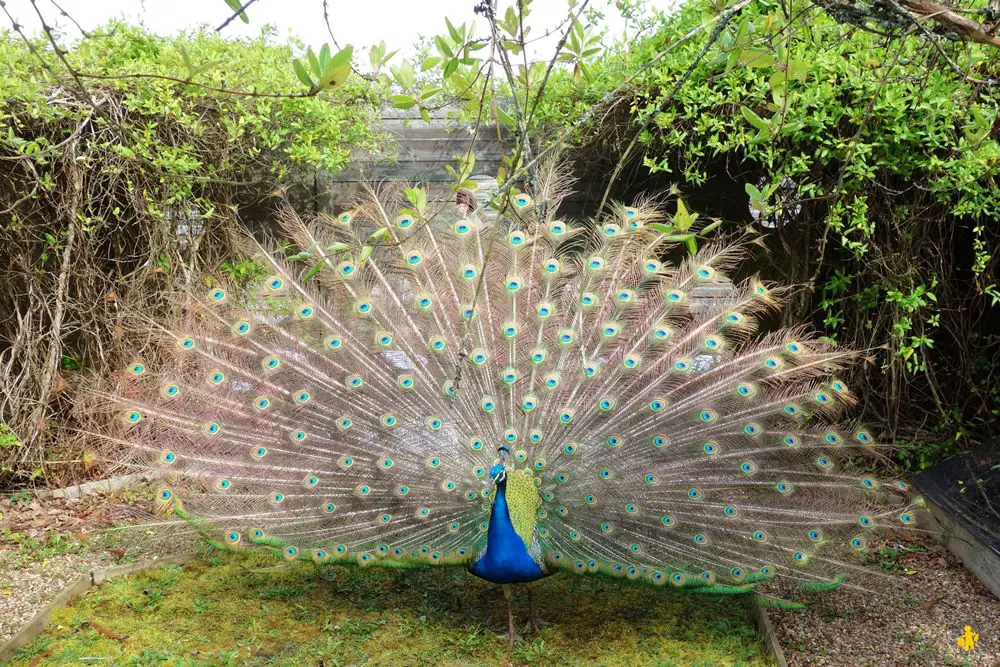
(88, 488)
(766, 628)
(975, 556)
(75, 589)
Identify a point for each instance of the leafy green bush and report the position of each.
(872, 166)
(131, 164)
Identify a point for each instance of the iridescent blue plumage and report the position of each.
(506, 559)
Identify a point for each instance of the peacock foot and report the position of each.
(535, 625)
(512, 637)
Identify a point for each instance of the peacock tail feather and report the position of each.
(349, 408)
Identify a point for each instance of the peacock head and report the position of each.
(498, 473)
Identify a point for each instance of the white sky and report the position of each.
(358, 22)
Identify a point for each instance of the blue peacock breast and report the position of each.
(506, 559)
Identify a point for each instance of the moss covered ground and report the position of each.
(247, 609)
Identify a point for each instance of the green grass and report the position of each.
(247, 609)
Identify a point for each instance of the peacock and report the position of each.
(507, 391)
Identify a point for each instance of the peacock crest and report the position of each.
(406, 379)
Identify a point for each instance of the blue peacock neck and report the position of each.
(506, 559)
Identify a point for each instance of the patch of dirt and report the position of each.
(46, 543)
(912, 619)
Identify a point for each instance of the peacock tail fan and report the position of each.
(350, 405)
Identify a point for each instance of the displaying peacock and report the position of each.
(509, 392)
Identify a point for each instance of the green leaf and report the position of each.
(313, 270)
(302, 74)
(757, 58)
(324, 57)
(661, 227)
(443, 47)
(186, 58)
(314, 63)
(799, 70)
(754, 119)
(506, 118)
(417, 197)
(337, 77)
(378, 235)
(342, 58)
(425, 115)
(236, 5)
(509, 23)
(455, 34)
(404, 75)
(429, 92)
(710, 228)
(337, 247)
(366, 252)
(402, 101)
(682, 218)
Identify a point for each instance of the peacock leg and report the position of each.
(535, 623)
(508, 593)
